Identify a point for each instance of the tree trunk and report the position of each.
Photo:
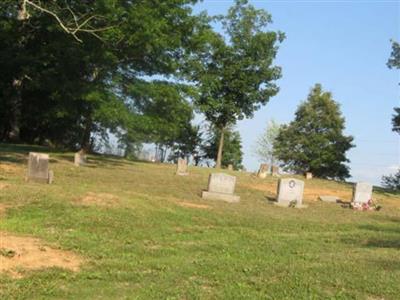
(86, 144)
(220, 148)
(14, 133)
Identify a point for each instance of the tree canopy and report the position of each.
(234, 72)
(314, 141)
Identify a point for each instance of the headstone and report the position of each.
(80, 158)
(290, 192)
(309, 175)
(182, 168)
(331, 199)
(38, 168)
(275, 171)
(230, 167)
(221, 187)
(263, 171)
(362, 192)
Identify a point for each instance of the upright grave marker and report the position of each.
(221, 187)
(182, 167)
(230, 167)
(290, 192)
(263, 171)
(275, 171)
(38, 168)
(80, 158)
(309, 175)
(362, 192)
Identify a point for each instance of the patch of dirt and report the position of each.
(309, 193)
(3, 208)
(4, 186)
(8, 168)
(27, 253)
(99, 199)
(193, 205)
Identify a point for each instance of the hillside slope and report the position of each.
(138, 231)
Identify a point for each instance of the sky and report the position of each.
(344, 45)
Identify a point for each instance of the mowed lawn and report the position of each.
(145, 233)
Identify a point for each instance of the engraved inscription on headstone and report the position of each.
(362, 192)
(290, 190)
(221, 187)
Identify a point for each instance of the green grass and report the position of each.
(146, 246)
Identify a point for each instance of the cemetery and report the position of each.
(124, 219)
(199, 149)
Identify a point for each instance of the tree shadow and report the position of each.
(386, 235)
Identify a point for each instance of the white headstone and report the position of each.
(263, 171)
(80, 158)
(182, 168)
(362, 192)
(290, 190)
(221, 187)
(38, 168)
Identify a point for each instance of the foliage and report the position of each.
(232, 152)
(314, 141)
(392, 181)
(234, 72)
(394, 62)
(58, 89)
(264, 148)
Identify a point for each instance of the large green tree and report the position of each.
(66, 87)
(234, 72)
(314, 141)
(393, 181)
(232, 152)
(394, 63)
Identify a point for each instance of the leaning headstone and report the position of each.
(221, 187)
(80, 158)
(38, 168)
(263, 171)
(182, 167)
(275, 171)
(290, 193)
(230, 167)
(362, 192)
(308, 175)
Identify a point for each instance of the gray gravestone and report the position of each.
(362, 192)
(309, 175)
(80, 158)
(230, 167)
(275, 171)
(182, 168)
(221, 187)
(290, 191)
(263, 171)
(38, 168)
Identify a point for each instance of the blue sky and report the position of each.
(344, 45)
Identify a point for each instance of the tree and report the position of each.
(232, 152)
(392, 182)
(314, 141)
(234, 72)
(394, 62)
(265, 144)
(67, 90)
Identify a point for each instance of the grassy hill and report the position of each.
(140, 232)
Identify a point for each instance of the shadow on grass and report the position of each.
(386, 192)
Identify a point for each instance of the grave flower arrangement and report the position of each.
(370, 205)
